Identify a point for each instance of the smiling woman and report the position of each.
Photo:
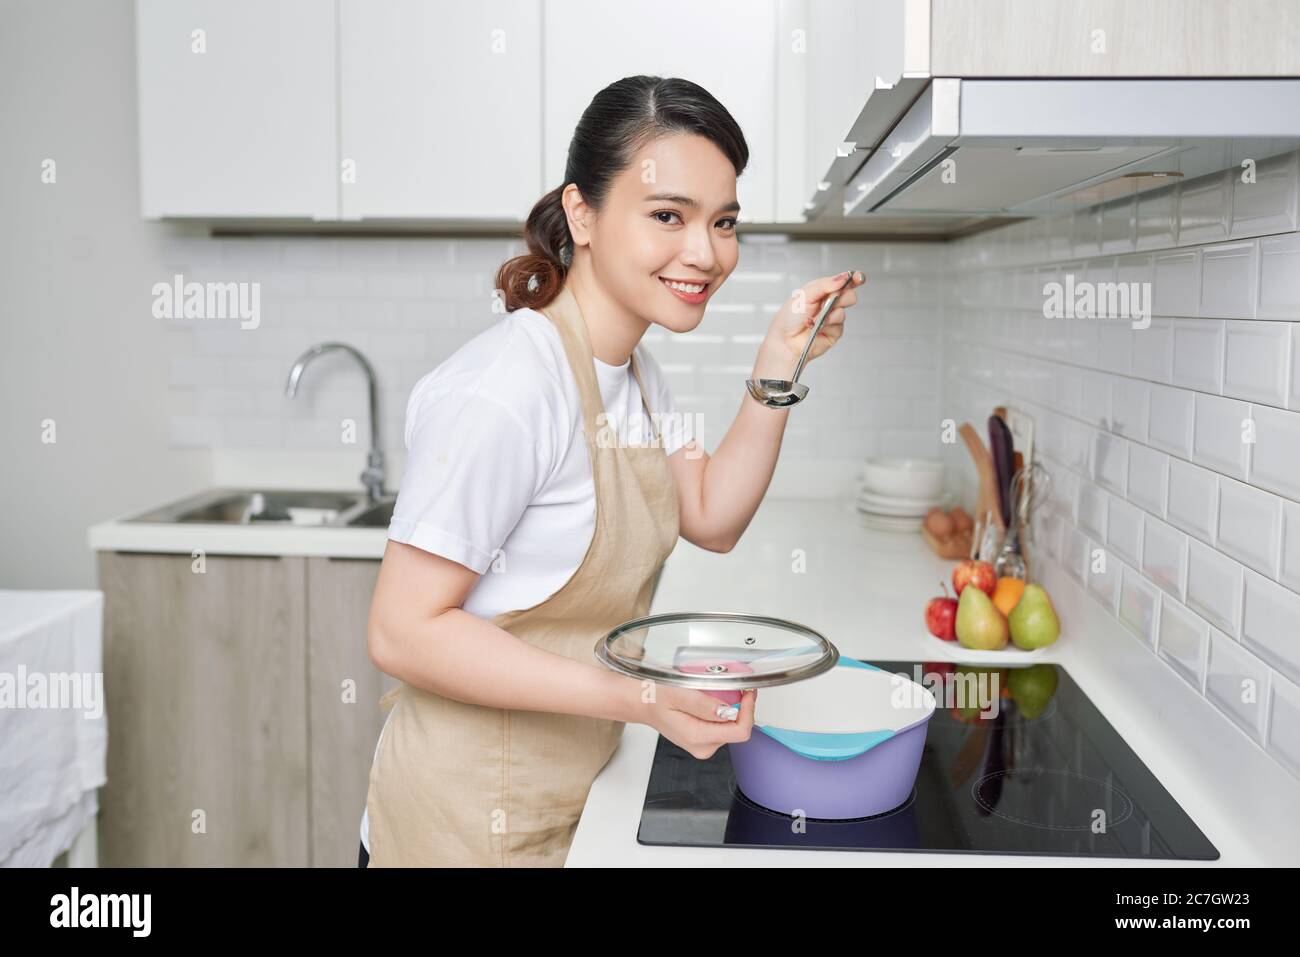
(637, 146)
(521, 536)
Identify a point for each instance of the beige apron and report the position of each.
(456, 784)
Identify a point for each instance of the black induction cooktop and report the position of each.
(1029, 766)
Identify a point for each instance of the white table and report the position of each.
(53, 727)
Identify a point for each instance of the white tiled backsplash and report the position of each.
(1147, 432)
(407, 304)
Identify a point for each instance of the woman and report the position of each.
(526, 527)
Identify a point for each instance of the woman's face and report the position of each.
(671, 215)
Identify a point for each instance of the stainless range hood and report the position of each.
(1012, 148)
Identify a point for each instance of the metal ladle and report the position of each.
(780, 393)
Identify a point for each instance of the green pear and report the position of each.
(979, 623)
(1033, 621)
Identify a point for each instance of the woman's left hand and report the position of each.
(792, 325)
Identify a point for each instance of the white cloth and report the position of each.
(53, 749)
(498, 477)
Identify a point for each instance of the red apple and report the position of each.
(979, 574)
(941, 616)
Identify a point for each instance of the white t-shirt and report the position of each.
(498, 477)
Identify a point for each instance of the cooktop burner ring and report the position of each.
(1125, 811)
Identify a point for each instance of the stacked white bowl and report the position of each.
(895, 493)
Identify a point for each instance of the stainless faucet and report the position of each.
(373, 476)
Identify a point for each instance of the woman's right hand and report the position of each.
(690, 720)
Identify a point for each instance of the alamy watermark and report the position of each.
(208, 300)
(1098, 300)
(39, 690)
(639, 428)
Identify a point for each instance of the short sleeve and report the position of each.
(471, 471)
(676, 426)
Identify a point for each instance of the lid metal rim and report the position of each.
(719, 684)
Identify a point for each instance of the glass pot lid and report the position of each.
(716, 651)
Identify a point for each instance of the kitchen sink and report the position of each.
(275, 507)
(376, 516)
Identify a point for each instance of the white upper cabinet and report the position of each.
(440, 109)
(237, 108)
(729, 47)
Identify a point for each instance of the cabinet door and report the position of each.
(440, 108)
(246, 125)
(345, 718)
(726, 46)
(205, 687)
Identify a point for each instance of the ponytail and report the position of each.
(535, 278)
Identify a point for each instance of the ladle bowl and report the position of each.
(782, 393)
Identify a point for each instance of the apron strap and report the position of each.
(645, 402)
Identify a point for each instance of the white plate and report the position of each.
(885, 505)
(885, 523)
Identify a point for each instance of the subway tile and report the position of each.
(1068, 396)
(1117, 225)
(1139, 604)
(1214, 584)
(1193, 499)
(1228, 275)
(1115, 346)
(1275, 457)
(1250, 525)
(1279, 277)
(1096, 398)
(1084, 337)
(1157, 218)
(1124, 530)
(1110, 462)
(1153, 349)
(1268, 624)
(1085, 232)
(1238, 683)
(1103, 572)
(1198, 354)
(1091, 512)
(1129, 402)
(1203, 205)
(1220, 427)
(1256, 357)
(1268, 205)
(1283, 738)
(1164, 555)
(1074, 549)
(1170, 420)
(1289, 574)
(1184, 641)
(1293, 401)
(1148, 476)
(1177, 283)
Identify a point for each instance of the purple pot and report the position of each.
(845, 744)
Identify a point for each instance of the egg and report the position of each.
(938, 524)
(960, 520)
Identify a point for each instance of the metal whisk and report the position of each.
(1029, 486)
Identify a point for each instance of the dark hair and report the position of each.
(620, 119)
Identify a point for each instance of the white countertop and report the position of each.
(866, 591)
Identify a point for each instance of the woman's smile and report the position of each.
(693, 292)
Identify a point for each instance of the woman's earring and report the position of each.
(566, 254)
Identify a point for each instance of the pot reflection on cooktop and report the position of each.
(1027, 766)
